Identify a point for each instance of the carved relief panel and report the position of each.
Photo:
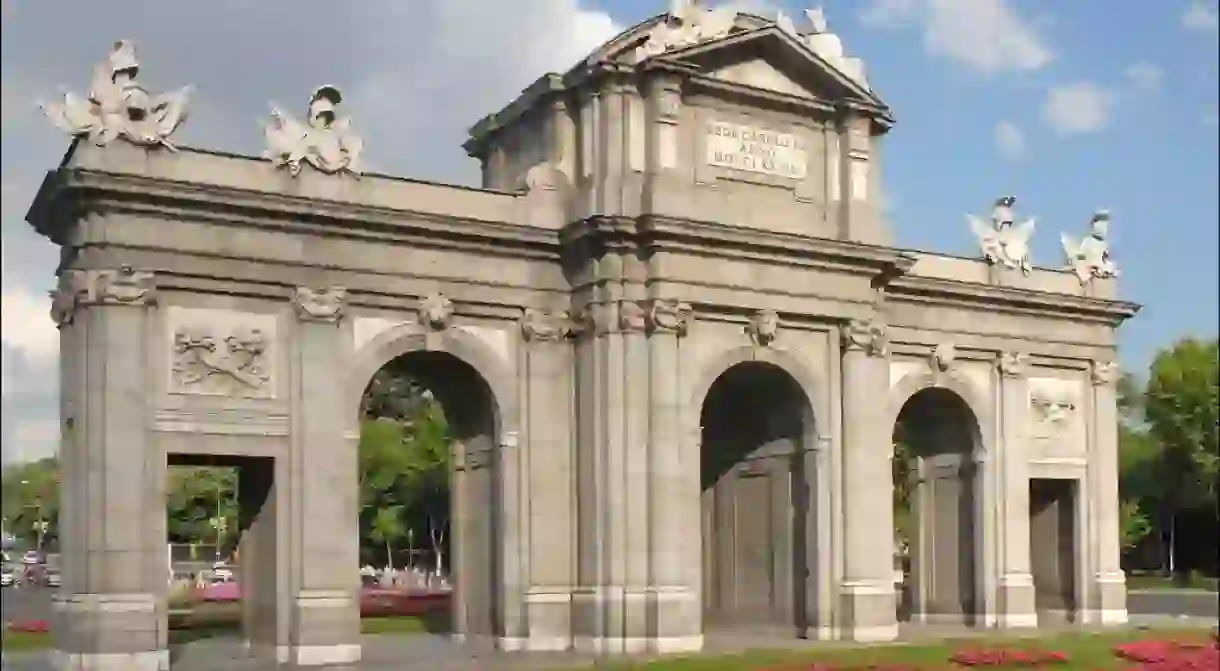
(221, 353)
(1056, 412)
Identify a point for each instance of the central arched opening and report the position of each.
(756, 423)
(935, 438)
(428, 459)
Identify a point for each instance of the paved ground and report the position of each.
(426, 652)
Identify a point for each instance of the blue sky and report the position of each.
(1068, 105)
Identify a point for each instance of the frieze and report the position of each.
(325, 305)
(763, 327)
(868, 335)
(234, 364)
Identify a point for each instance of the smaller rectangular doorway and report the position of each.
(1053, 543)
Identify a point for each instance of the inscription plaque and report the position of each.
(757, 150)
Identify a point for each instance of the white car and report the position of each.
(221, 572)
(7, 579)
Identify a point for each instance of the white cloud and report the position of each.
(1073, 109)
(1145, 76)
(1010, 140)
(416, 74)
(988, 36)
(1201, 16)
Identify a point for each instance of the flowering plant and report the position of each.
(1008, 657)
(30, 627)
(1171, 655)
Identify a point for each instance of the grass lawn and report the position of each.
(1085, 651)
(1161, 582)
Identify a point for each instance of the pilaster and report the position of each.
(675, 545)
(1016, 585)
(111, 607)
(1110, 584)
(867, 593)
(325, 622)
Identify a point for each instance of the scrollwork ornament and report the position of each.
(124, 286)
(669, 316)
(325, 305)
(1013, 365)
(542, 326)
(632, 318)
(1103, 373)
(763, 327)
(867, 335)
(436, 311)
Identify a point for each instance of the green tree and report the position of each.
(388, 527)
(30, 501)
(194, 497)
(1181, 407)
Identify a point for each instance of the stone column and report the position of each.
(111, 608)
(675, 612)
(1016, 588)
(637, 490)
(260, 577)
(323, 477)
(1110, 591)
(867, 593)
(546, 401)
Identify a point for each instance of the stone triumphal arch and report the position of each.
(672, 334)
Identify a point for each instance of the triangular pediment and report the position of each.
(771, 59)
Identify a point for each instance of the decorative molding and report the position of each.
(325, 140)
(1052, 401)
(544, 326)
(117, 107)
(325, 305)
(233, 365)
(943, 357)
(632, 318)
(1013, 364)
(763, 328)
(669, 316)
(1103, 373)
(868, 335)
(124, 286)
(435, 312)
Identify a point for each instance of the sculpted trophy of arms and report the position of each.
(1090, 257)
(1001, 240)
(325, 140)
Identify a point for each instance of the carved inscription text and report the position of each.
(755, 150)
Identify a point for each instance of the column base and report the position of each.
(1111, 594)
(664, 619)
(151, 660)
(1017, 602)
(328, 656)
(868, 610)
(109, 631)
(325, 629)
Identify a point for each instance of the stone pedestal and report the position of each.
(111, 609)
(324, 554)
(867, 596)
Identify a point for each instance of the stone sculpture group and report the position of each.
(1004, 242)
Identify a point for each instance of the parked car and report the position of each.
(51, 578)
(221, 572)
(7, 579)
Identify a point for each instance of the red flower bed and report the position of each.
(387, 603)
(866, 667)
(1171, 655)
(30, 627)
(1008, 657)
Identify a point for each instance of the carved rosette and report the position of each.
(943, 357)
(866, 335)
(763, 327)
(1013, 364)
(669, 316)
(124, 286)
(632, 318)
(325, 305)
(543, 326)
(1103, 373)
(435, 312)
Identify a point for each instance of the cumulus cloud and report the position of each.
(415, 75)
(1201, 16)
(988, 36)
(1010, 140)
(1145, 76)
(1074, 109)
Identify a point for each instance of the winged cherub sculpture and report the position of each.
(119, 107)
(325, 141)
(1001, 240)
(1090, 257)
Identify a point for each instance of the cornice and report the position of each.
(952, 293)
(67, 194)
